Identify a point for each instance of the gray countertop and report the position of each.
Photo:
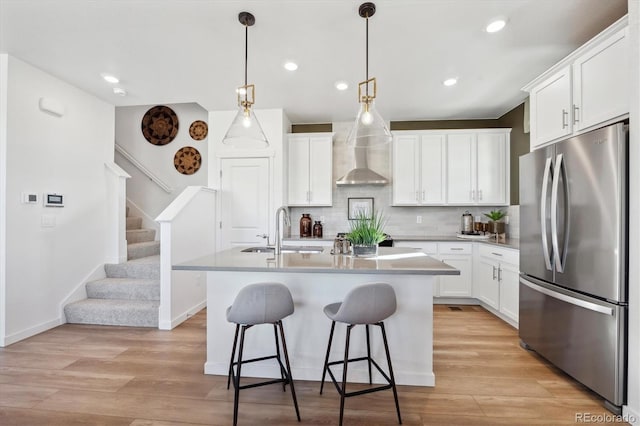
(390, 260)
(512, 243)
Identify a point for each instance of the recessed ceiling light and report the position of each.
(119, 91)
(496, 25)
(290, 66)
(450, 82)
(342, 85)
(110, 78)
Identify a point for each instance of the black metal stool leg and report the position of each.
(344, 372)
(393, 380)
(368, 352)
(326, 358)
(275, 332)
(233, 355)
(289, 376)
(236, 396)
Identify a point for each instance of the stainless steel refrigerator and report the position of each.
(573, 258)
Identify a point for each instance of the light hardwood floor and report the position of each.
(92, 375)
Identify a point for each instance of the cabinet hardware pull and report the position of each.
(494, 273)
(417, 196)
(473, 195)
(576, 110)
(479, 194)
(423, 195)
(497, 254)
(565, 114)
(499, 274)
(457, 248)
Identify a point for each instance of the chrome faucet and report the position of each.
(287, 222)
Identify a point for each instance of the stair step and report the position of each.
(124, 288)
(140, 235)
(134, 313)
(134, 222)
(144, 267)
(144, 249)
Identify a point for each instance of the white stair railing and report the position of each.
(187, 231)
(148, 173)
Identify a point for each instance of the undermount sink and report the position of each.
(284, 249)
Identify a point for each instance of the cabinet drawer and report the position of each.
(500, 254)
(427, 247)
(454, 248)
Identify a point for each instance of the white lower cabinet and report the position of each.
(496, 280)
(488, 273)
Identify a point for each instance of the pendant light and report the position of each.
(370, 129)
(245, 130)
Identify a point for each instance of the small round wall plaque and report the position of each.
(160, 125)
(198, 130)
(187, 160)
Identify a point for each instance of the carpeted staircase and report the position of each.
(130, 294)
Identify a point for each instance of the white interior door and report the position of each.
(244, 201)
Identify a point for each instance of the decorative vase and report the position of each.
(305, 225)
(360, 250)
(317, 229)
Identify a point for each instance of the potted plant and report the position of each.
(366, 231)
(496, 226)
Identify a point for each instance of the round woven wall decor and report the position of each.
(198, 130)
(160, 125)
(187, 160)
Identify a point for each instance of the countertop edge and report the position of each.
(432, 272)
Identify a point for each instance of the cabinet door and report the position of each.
(461, 168)
(320, 170)
(432, 157)
(550, 110)
(456, 285)
(601, 82)
(405, 170)
(509, 290)
(492, 169)
(488, 288)
(298, 171)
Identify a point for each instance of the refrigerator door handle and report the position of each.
(560, 257)
(543, 213)
(572, 300)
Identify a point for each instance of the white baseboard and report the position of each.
(31, 331)
(148, 222)
(79, 292)
(630, 415)
(170, 325)
(509, 321)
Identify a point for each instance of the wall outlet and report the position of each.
(418, 219)
(506, 220)
(322, 219)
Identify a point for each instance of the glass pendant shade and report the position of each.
(369, 129)
(245, 131)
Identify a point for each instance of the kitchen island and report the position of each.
(315, 280)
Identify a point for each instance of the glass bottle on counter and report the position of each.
(305, 225)
(317, 229)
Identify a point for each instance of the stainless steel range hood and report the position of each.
(361, 174)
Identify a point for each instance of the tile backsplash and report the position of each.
(436, 221)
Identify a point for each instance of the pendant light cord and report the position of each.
(367, 57)
(246, 59)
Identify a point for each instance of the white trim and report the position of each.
(79, 292)
(147, 221)
(630, 416)
(117, 170)
(4, 69)
(178, 204)
(170, 325)
(31, 331)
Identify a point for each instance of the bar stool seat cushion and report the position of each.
(366, 304)
(261, 303)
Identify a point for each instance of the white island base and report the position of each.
(409, 330)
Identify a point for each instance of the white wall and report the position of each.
(4, 59)
(146, 195)
(633, 387)
(46, 153)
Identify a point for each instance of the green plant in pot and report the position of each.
(496, 226)
(366, 231)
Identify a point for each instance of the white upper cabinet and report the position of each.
(478, 167)
(451, 167)
(418, 169)
(310, 169)
(584, 91)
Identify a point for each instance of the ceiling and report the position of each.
(168, 51)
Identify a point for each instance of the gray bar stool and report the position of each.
(366, 305)
(260, 303)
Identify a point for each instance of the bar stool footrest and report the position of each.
(389, 384)
(286, 380)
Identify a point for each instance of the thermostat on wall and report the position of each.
(53, 200)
